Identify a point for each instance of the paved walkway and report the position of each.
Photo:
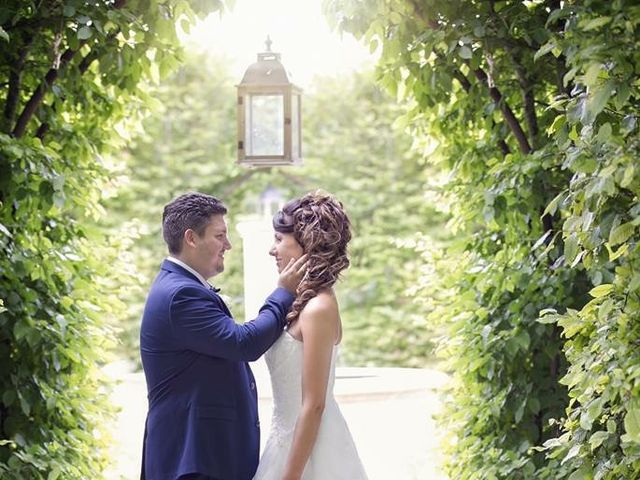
(389, 412)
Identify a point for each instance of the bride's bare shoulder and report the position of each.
(323, 305)
(324, 301)
(320, 318)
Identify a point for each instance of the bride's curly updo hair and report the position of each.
(320, 225)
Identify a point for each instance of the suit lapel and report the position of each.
(225, 309)
(170, 266)
(175, 268)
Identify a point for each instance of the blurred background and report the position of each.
(353, 148)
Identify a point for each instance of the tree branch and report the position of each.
(494, 93)
(86, 62)
(50, 78)
(15, 83)
(526, 88)
(38, 94)
(561, 71)
(84, 65)
(529, 101)
(462, 79)
(466, 85)
(43, 129)
(4, 413)
(507, 113)
(504, 148)
(561, 67)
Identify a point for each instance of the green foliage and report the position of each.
(52, 330)
(534, 106)
(599, 144)
(70, 72)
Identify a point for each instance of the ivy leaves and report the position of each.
(70, 70)
(552, 229)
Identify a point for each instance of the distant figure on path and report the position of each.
(202, 421)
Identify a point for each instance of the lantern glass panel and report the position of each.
(295, 126)
(264, 125)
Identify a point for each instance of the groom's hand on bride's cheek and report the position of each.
(293, 273)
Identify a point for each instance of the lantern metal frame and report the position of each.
(268, 78)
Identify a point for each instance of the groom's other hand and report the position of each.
(293, 273)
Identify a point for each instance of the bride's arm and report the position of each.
(318, 323)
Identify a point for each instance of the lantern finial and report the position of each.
(268, 44)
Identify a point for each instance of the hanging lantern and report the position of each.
(269, 114)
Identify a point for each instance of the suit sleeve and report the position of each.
(200, 324)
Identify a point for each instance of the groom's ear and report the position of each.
(189, 238)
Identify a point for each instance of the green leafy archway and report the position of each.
(71, 73)
(534, 105)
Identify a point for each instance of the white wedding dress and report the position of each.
(334, 455)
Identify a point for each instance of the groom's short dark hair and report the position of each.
(193, 211)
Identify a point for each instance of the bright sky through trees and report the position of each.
(298, 31)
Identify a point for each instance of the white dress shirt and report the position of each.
(191, 270)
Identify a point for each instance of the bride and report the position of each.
(309, 438)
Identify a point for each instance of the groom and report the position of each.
(202, 421)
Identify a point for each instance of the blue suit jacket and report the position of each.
(203, 411)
